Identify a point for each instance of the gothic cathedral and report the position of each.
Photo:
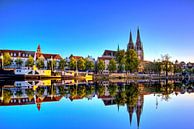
(138, 47)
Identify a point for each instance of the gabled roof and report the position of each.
(109, 52)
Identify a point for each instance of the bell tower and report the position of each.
(139, 47)
(130, 44)
(38, 49)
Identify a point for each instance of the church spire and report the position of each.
(130, 44)
(138, 36)
(139, 46)
(38, 49)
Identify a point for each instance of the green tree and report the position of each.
(52, 64)
(30, 61)
(120, 58)
(112, 65)
(40, 63)
(166, 64)
(89, 65)
(30, 94)
(132, 62)
(7, 59)
(72, 63)
(19, 93)
(148, 68)
(100, 66)
(62, 64)
(19, 62)
(177, 67)
(158, 67)
(7, 95)
(81, 64)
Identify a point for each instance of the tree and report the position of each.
(177, 67)
(100, 66)
(19, 93)
(81, 64)
(89, 65)
(40, 63)
(132, 62)
(7, 95)
(120, 58)
(7, 59)
(30, 61)
(149, 67)
(52, 64)
(19, 62)
(72, 63)
(158, 67)
(167, 65)
(30, 94)
(112, 65)
(62, 64)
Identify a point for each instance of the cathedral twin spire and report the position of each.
(138, 47)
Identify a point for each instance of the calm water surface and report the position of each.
(100, 105)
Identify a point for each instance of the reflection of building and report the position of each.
(138, 108)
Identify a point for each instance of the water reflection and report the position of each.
(127, 93)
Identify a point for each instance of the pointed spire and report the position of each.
(118, 49)
(138, 35)
(130, 44)
(130, 39)
(130, 111)
(118, 107)
(38, 49)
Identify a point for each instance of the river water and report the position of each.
(71, 104)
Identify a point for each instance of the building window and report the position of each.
(11, 54)
(14, 54)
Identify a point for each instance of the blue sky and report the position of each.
(88, 27)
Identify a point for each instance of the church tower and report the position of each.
(139, 47)
(130, 44)
(38, 49)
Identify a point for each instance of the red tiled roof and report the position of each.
(105, 58)
(54, 56)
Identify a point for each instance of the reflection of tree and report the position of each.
(112, 90)
(90, 90)
(73, 91)
(7, 95)
(166, 91)
(18, 94)
(131, 95)
(30, 94)
(52, 90)
(40, 91)
(121, 98)
(101, 90)
(62, 91)
(81, 91)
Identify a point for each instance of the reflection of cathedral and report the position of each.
(138, 108)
